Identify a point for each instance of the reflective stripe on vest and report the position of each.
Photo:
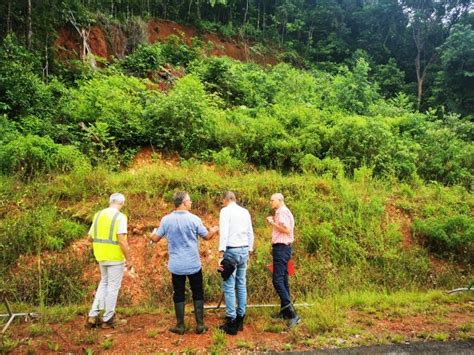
(105, 235)
(111, 230)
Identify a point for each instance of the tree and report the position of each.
(430, 23)
(456, 79)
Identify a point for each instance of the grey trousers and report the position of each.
(108, 290)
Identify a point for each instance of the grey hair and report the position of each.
(179, 197)
(229, 195)
(117, 198)
(279, 196)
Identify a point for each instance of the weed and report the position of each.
(53, 346)
(440, 336)
(244, 344)
(107, 344)
(39, 330)
(274, 327)
(323, 316)
(152, 333)
(90, 338)
(7, 344)
(218, 341)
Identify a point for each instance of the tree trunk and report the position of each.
(29, 26)
(9, 17)
(46, 60)
(246, 12)
(189, 8)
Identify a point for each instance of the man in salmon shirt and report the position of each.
(283, 225)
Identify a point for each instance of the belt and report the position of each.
(281, 244)
(242, 246)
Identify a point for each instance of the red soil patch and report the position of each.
(98, 43)
(147, 156)
(149, 333)
(423, 324)
(394, 214)
(69, 45)
(162, 29)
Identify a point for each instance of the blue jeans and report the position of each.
(281, 255)
(237, 281)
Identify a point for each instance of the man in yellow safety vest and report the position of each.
(109, 241)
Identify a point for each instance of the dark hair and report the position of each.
(178, 198)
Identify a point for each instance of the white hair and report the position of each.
(278, 196)
(117, 198)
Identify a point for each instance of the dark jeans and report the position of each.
(179, 286)
(281, 255)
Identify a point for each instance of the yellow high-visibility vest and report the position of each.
(104, 236)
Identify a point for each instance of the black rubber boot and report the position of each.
(229, 327)
(240, 322)
(199, 313)
(293, 318)
(278, 315)
(179, 312)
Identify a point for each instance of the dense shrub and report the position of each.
(183, 121)
(37, 229)
(30, 156)
(61, 278)
(114, 105)
(144, 59)
(449, 237)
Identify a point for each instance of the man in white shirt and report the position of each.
(235, 244)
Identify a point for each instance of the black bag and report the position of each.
(229, 265)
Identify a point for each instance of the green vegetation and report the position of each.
(363, 122)
(347, 239)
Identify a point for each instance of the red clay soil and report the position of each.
(149, 333)
(396, 215)
(68, 44)
(98, 43)
(162, 29)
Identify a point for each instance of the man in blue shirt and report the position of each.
(182, 228)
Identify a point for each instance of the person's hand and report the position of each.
(219, 265)
(214, 229)
(270, 220)
(128, 265)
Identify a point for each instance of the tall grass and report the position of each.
(345, 239)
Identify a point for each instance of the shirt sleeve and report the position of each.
(223, 229)
(122, 225)
(161, 231)
(284, 219)
(250, 232)
(201, 230)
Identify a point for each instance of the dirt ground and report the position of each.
(148, 333)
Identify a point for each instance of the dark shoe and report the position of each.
(93, 322)
(293, 318)
(240, 322)
(278, 315)
(179, 312)
(199, 313)
(229, 327)
(108, 324)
